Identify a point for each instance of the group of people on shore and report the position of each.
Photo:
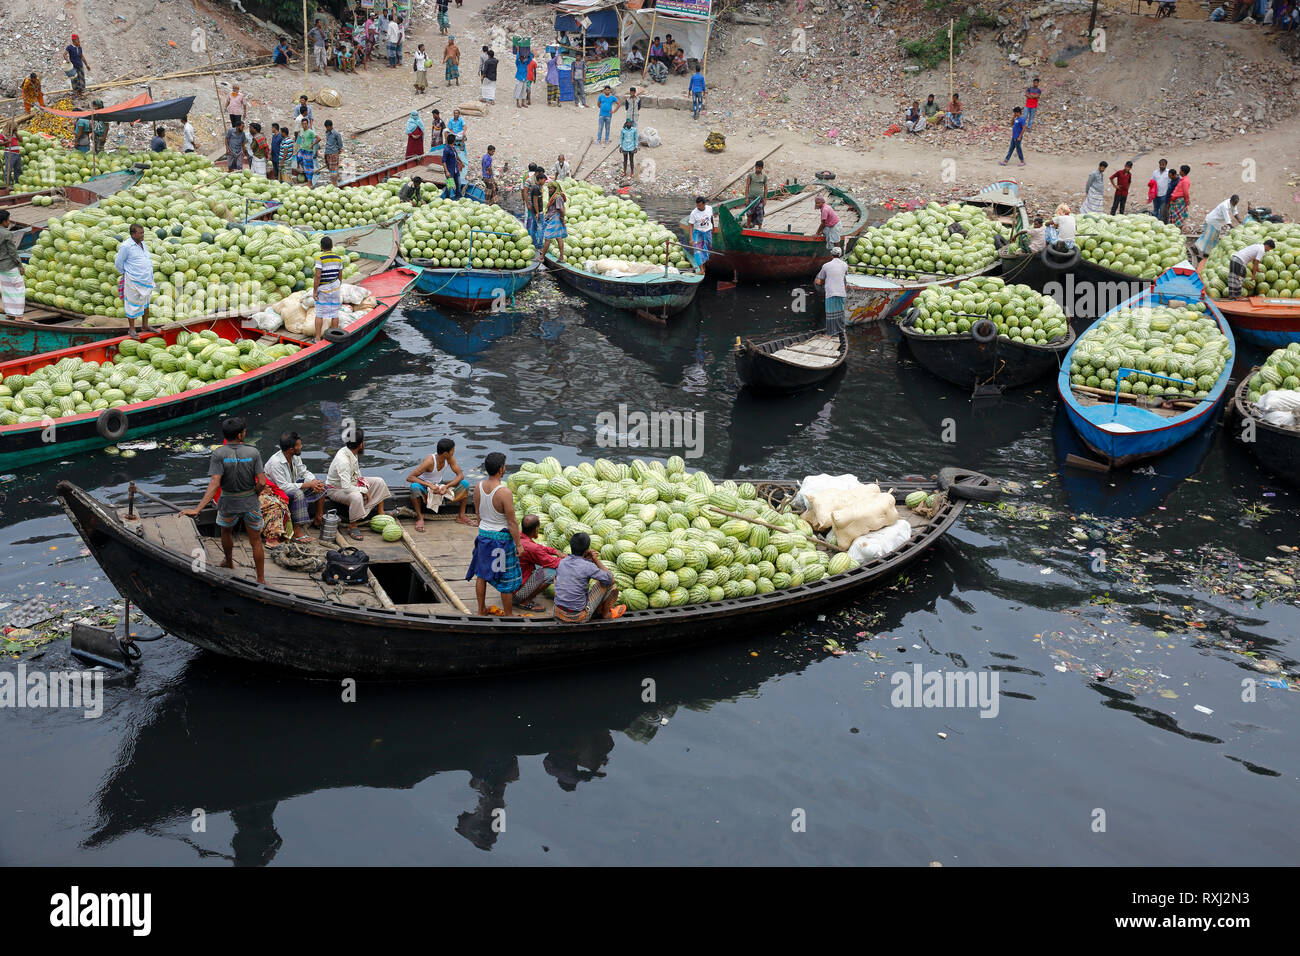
(283, 500)
(921, 116)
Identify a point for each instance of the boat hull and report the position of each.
(472, 290)
(1277, 449)
(264, 625)
(1266, 322)
(962, 360)
(30, 442)
(666, 295)
(762, 373)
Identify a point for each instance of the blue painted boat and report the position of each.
(1126, 431)
(471, 290)
(661, 293)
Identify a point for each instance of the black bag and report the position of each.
(348, 566)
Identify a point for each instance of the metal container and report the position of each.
(329, 528)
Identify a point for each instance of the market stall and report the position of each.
(593, 26)
(687, 21)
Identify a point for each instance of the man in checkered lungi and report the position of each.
(832, 278)
(1250, 256)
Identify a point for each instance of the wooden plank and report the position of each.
(718, 192)
(804, 196)
(601, 163)
(578, 165)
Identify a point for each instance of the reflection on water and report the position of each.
(743, 730)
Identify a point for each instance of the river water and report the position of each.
(1106, 608)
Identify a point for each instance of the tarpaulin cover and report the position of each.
(604, 23)
(139, 108)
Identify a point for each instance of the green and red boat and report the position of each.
(786, 246)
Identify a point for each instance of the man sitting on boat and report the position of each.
(235, 473)
(1062, 228)
(290, 475)
(1038, 236)
(436, 480)
(345, 485)
(495, 560)
(831, 277)
(411, 192)
(576, 601)
(1251, 255)
(537, 563)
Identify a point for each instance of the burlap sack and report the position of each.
(864, 515)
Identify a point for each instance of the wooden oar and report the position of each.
(423, 562)
(811, 537)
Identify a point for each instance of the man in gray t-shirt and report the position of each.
(235, 469)
(574, 603)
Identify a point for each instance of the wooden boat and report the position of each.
(49, 329)
(980, 358)
(415, 620)
(661, 293)
(66, 199)
(471, 290)
(27, 442)
(1265, 321)
(1127, 431)
(785, 247)
(1276, 447)
(791, 363)
(873, 297)
(414, 166)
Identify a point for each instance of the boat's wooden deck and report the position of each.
(445, 544)
(821, 351)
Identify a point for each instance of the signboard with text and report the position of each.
(687, 9)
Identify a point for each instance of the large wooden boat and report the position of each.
(49, 329)
(785, 246)
(26, 442)
(661, 293)
(1132, 428)
(414, 620)
(1276, 447)
(791, 363)
(981, 358)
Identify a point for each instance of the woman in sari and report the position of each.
(414, 134)
(451, 56)
(274, 505)
(1180, 198)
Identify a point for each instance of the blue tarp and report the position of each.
(604, 23)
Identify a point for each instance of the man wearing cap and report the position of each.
(74, 55)
(831, 278)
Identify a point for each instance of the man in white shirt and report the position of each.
(1219, 220)
(187, 134)
(1161, 176)
(561, 168)
(832, 278)
(1063, 228)
(701, 220)
(1252, 256)
(291, 476)
(394, 37)
(135, 264)
(345, 485)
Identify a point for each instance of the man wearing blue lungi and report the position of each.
(496, 549)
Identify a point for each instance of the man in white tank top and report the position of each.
(496, 549)
(437, 479)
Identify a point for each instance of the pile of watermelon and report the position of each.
(1021, 314)
(655, 528)
(1278, 275)
(1176, 343)
(1135, 243)
(140, 371)
(1280, 370)
(46, 164)
(460, 233)
(951, 239)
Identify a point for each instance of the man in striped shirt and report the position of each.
(328, 285)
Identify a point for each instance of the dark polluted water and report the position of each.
(1144, 713)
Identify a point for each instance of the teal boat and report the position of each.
(660, 293)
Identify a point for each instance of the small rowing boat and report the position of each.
(26, 442)
(1124, 428)
(472, 290)
(661, 293)
(791, 363)
(50, 329)
(786, 245)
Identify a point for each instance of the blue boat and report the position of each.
(1123, 428)
(661, 293)
(471, 290)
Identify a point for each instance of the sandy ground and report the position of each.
(1130, 83)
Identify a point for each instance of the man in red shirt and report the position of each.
(1120, 179)
(537, 563)
(1032, 94)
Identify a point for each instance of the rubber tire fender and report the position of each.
(968, 485)
(337, 336)
(984, 331)
(112, 424)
